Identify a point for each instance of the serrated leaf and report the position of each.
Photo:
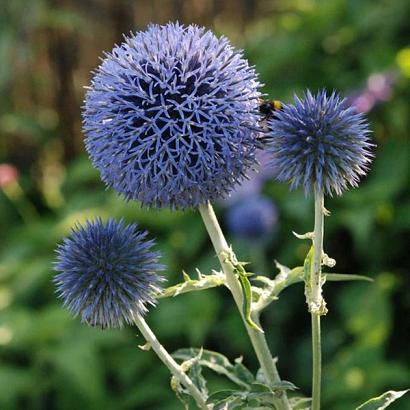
(217, 362)
(383, 401)
(190, 285)
(338, 277)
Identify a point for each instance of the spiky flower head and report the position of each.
(319, 143)
(170, 117)
(107, 273)
(253, 218)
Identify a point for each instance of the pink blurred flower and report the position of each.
(379, 89)
(364, 102)
(8, 175)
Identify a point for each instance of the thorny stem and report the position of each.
(257, 338)
(172, 365)
(317, 299)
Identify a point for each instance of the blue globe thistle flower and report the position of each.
(253, 218)
(107, 273)
(319, 142)
(170, 117)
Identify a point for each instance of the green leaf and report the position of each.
(217, 362)
(257, 408)
(195, 373)
(300, 403)
(282, 385)
(221, 395)
(383, 401)
(338, 277)
(227, 399)
(247, 292)
(260, 388)
(242, 372)
(308, 265)
(247, 301)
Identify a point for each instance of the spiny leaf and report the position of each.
(187, 278)
(383, 401)
(189, 285)
(146, 346)
(307, 235)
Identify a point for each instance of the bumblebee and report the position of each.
(268, 108)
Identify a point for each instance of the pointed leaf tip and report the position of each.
(383, 401)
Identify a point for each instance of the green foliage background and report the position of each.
(50, 361)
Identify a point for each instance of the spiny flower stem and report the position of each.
(317, 299)
(172, 365)
(257, 337)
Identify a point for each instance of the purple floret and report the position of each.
(170, 117)
(320, 142)
(107, 273)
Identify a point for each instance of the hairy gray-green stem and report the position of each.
(317, 305)
(257, 337)
(172, 365)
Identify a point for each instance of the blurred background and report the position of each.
(50, 361)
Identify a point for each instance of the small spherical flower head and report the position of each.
(319, 143)
(253, 218)
(170, 117)
(107, 273)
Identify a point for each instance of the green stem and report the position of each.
(317, 299)
(257, 338)
(317, 361)
(172, 365)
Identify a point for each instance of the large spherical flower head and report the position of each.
(107, 273)
(170, 117)
(320, 143)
